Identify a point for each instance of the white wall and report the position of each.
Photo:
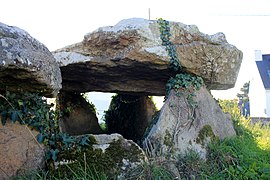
(268, 103)
(257, 96)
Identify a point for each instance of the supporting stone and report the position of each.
(181, 128)
(20, 152)
(130, 115)
(78, 116)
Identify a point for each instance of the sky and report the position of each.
(58, 23)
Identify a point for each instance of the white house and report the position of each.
(259, 91)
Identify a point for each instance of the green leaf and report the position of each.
(14, 116)
(47, 116)
(3, 117)
(67, 140)
(40, 138)
(20, 102)
(54, 154)
(84, 141)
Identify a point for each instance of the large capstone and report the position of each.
(26, 64)
(129, 57)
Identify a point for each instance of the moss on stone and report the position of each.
(204, 133)
(168, 139)
(109, 161)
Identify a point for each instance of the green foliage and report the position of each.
(244, 127)
(205, 132)
(150, 170)
(245, 156)
(81, 172)
(165, 34)
(90, 104)
(190, 165)
(122, 115)
(184, 82)
(244, 92)
(32, 109)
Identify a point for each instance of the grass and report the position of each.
(81, 173)
(245, 156)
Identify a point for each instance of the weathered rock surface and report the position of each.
(19, 150)
(181, 128)
(26, 64)
(129, 57)
(111, 154)
(79, 117)
(130, 115)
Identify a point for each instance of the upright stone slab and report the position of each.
(181, 128)
(20, 152)
(26, 64)
(79, 117)
(130, 115)
(129, 57)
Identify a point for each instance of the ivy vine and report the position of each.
(31, 109)
(184, 82)
(165, 35)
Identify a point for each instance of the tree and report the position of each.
(243, 103)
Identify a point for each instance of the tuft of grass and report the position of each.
(82, 172)
(150, 170)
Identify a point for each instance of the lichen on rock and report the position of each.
(110, 154)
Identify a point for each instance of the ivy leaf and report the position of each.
(3, 117)
(51, 143)
(67, 139)
(54, 154)
(20, 102)
(47, 117)
(84, 141)
(40, 138)
(14, 116)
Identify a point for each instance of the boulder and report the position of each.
(130, 57)
(26, 64)
(181, 127)
(130, 115)
(20, 152)
(110, 154)
(79, 116)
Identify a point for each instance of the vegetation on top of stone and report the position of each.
(31, 109)
(165, 34)
(245, 156)
(182, 81)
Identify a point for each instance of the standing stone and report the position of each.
(19, 150)
(181, 128)
(79, 116)
(26, 64)
(130, 115)
(129, 57)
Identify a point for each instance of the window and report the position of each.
(268, 72)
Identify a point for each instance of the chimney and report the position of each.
(258, 55)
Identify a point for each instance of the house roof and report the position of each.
(264, 70)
